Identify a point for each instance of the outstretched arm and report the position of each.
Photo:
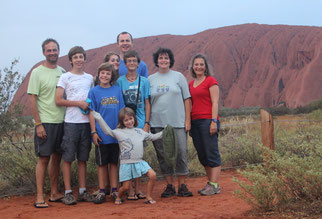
(105, 128)
(153, 137)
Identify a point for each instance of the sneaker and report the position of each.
(100, 198)
(114, 195)
(69, 199)
(200, 190)
(210, 190)
(183, 191)
(85, 197)
(107, 192)
(169, 191)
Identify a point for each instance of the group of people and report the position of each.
(119, 110)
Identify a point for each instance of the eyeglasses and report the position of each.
(131, 61)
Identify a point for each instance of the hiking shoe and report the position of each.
(100, 198)
(183, 191)
(200, 190)
(210, 190)
(107, 192)
(114, 195)
(85, 197)
(169, 191)
(69, 199)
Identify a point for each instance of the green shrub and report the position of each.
(290, 174)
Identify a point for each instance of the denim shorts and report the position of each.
(52, 143)
(130, 171)
(206, 145)
(76, 141)
(181, 168)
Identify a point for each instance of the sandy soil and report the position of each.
(224, 205)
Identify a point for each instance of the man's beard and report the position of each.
(52, 61)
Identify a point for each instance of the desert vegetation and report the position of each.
(290, 175)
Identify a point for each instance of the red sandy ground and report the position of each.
(224, 205)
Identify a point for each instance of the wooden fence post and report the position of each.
(267, 128)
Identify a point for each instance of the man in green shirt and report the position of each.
(48, 121)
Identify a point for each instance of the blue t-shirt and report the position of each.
(142, 69)
(108, 102)
(130, 89)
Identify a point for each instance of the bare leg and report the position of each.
(53, 172)
(181, 180)
(213, 173)
(169, 179)
(113, 170)
(82, 174)
(40, 177)
(137, 183)
(107, 179)
(152, 176)
(132, 190)
(125, 186)
(101, 172)
(67, 174)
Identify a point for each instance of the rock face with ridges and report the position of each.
(255, 65)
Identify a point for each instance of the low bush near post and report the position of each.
(290, 176)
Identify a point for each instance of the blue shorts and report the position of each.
(206, 145)
(130, 171)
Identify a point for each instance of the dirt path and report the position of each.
(224, 205)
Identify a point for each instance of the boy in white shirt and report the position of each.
(77, 134)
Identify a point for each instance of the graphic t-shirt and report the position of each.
(108, 102)
(168, 92)
(76, 88)
(130, 89)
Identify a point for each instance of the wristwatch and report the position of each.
(214, 120)
(147, 122)
(92, 133)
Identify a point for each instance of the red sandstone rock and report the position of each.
(256, 65)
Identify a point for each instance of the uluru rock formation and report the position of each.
(255, 64)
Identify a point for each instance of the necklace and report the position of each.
(131, 79)
(197, 81)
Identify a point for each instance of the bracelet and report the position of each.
(38, 124)
(214, 120)
(92, 133)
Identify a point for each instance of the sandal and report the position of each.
(141, 195)
(133, 198)
(41, 205)
(118, 201)
(56, 200)
(150, 202)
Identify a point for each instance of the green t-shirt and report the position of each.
(43, 83)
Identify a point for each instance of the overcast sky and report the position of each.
(24, 24)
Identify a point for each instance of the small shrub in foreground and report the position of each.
(283, 180)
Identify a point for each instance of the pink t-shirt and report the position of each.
(201, 100)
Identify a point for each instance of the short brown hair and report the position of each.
(131, 54)
(126, 111)
(107, 67)
(48, 41)
(124, 32)
(75, 50)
